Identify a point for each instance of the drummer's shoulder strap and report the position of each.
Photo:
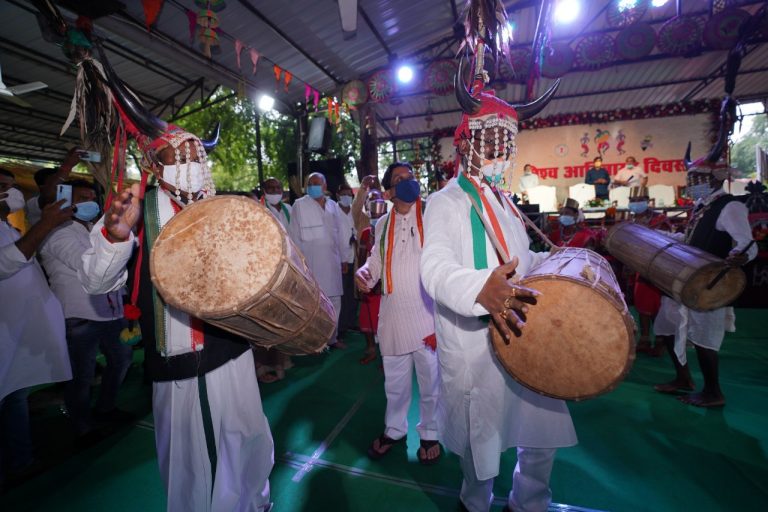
(152, 229)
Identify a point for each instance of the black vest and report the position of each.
(706, 237)
(220, 345)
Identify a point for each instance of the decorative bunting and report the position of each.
(238, 50)
(288, 77)
(278, 71)
(151, 11)
(317, 98)
(307, 92)
(192, 21)
(254, 59)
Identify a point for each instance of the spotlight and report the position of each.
(625, 5)
(405, 73)
(567, 11)
(266, 102)
(658, 3)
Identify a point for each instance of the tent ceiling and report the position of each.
(305, 38)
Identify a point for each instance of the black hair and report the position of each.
(343, 186)
(6, 172)
(43, 174)
(81, 183)
(597, 158)
(386, 180)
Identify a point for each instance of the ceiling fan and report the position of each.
(11, 93)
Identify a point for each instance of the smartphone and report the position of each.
(90, 156)
(64, 192)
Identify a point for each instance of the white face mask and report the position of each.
(345, 201)
(273, 198)
(190, 177)
(700, 191)
(15, 199)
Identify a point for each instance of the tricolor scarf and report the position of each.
(170, 324)
(282, 207)
(387, 245)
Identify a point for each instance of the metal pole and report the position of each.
(258, 148)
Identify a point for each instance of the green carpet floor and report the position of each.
(638, 450)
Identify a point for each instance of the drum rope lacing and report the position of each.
(592, 273)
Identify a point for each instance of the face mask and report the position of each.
(373, 222)
(87, 211)
(345, 201)
(407, 191)
(273, 198)
(493, 170)
(699, 191)
(15, 199)
(567, 220)
(630, 166)
(315, 191)
(638, 207)
(191, 177)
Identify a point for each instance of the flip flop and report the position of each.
(670, 388)
(424, 449)
(385, 444)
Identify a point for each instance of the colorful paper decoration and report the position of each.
(192, 24)
(680, 36)
(287, 77)
(208, 22)
(151, 11)
(354, 93)
(622, 14)
(595, 51)
(721, 32)
(439, 77)
(254, 59)
(278, 71)
(635, 41)
(214, 5)
(558, 61)
(238, 50)
(381, 86)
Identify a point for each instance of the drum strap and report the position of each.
(479, 227)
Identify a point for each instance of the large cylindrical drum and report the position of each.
(681, 271)
(229, 262)
(578, 341)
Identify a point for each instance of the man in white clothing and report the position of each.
(406, 324)
(348, 315)
(93, 322)
(316, 227)
(630, 175)
(485, 411)
(273, 199)
(32, 342)
(528, 181)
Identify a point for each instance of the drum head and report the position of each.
(696, 296)
(576, 344)
(215, 255)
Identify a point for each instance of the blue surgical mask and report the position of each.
(373, 222)
(638, 207)
(87, 211)
(700, 191)
(345, 201)
(567, 220)
(315, 191)
(407, 191)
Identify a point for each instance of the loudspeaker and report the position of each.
(319, 138)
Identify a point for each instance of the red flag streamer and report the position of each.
(238, 50)
(151, 11)
(254, 59)
(288, 78)
(277, 70)
(192, 19)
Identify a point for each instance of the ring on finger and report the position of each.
(504, 313)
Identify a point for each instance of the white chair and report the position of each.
(620, 195)
(736, 187)
(545, 196)
(663, 194)
(581, 193)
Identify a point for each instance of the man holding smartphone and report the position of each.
(47, 180)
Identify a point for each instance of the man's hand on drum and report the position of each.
(506, 302)
(362, 278)
(737, 258)
(123, 214)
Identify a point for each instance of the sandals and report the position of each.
(385, 444)
(423, 452)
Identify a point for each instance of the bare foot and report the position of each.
(268, 378)
(368, 358)
(674, 387)
(429, 452)
(703, 400)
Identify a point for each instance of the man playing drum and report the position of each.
(406, 325)
(720, 226)
(484, 411)
(213, 441)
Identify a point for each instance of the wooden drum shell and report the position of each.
(578, 341)
(285, 309)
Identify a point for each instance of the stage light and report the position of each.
(405, 73)
(658, 3)
(567, 11)
(266, 102)
(626, 4)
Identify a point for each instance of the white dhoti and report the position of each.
(213, 441)
(398, 379)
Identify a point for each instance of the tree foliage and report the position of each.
(743, 152)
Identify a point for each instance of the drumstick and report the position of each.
(489, 230)
(722, 273)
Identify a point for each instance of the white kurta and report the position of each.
(406, 315)
(528, 181)
(33, 344)
(707, 328)
(279, 213)
(502, 413)
(317, 232)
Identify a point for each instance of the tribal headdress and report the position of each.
(712, 163)
(483, 110)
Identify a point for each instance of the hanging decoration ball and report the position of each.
(381, 86)
(208, 22)
(439, 77)
(721, 32)
(680, 36)
(621, 13)
(214, 5)
(206, 18)
(558, 61)
(354, 93)
(595, 51)
(635, 41)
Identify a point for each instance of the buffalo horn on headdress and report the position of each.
(528, 110)
(469, 104)
(211, 143)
